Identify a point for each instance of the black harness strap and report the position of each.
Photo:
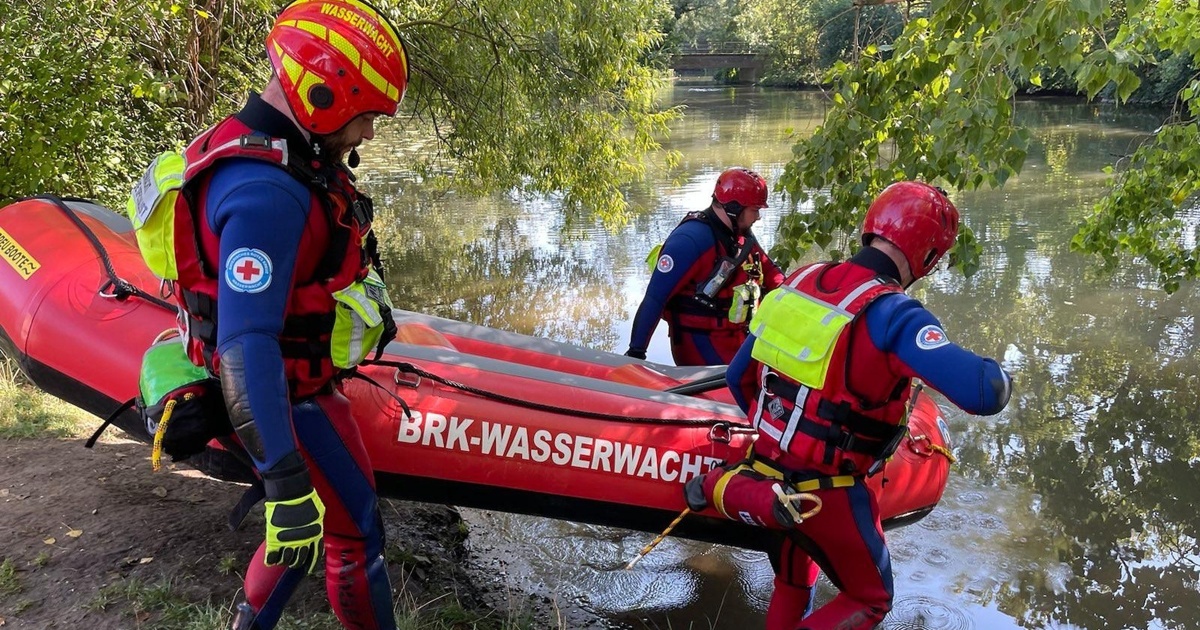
(847, 430)
(112, 417)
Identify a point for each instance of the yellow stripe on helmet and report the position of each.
(345, 47)
(375, 78)
(312, 27)
(290, 66)
(302, 89)
(386, 24)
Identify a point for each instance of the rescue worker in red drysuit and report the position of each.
(282, 262)
(708, 276)
(825, 379)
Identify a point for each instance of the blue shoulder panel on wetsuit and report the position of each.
(682, 250)
(900, 325)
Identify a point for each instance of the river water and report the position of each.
(1074, 508)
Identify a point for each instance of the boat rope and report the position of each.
(156, 453)
(732, 427)
(116, 286)
(403, 405)
(930, 448)
(657, 539)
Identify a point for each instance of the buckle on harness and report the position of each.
(888, 450)
(250, 141)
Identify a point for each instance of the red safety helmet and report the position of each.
(918, 219)
(740, 188)
(337, 59)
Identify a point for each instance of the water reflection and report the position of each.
(1076, 507)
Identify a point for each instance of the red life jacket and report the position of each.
(836, 430)
(685, 313)
(334, 233)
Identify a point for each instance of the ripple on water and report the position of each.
(949, 521)
(903, 550)
(990, 522)
(971, 497)
(936, 557)
(921, 612)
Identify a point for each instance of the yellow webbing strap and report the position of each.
(820, 483)
(156, 454)
(719, 489)
(801, 491)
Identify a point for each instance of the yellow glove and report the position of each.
(294, 531)
(294, 515)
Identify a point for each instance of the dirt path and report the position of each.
(79, 526)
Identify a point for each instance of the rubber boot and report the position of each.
(788, 607)
(243, 618)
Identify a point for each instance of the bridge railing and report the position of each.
(721, 48)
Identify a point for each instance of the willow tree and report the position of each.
(544, 95)
(938, 105)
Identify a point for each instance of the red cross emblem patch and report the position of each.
(931, 337)
(248, 270)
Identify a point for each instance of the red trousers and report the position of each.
(844, 539)
(356, 578)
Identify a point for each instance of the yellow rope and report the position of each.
(938, 448)
(654, 543)
(156, 454)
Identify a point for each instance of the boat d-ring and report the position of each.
(116, 287)
(723, 431)
(720, 433)
(400, 379)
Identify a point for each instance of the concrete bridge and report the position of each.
(718, 56)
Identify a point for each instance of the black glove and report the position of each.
(635, 353)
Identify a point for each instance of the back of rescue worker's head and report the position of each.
(918, 219)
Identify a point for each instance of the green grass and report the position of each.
(159, 605)
(41, 560)
(10, 582)
(26, 412)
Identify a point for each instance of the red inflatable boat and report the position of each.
(498, 421)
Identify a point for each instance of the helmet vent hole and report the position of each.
(320, 96)
(930, 257)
